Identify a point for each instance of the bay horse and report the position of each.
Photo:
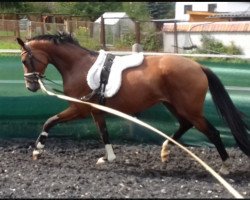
(179, 83)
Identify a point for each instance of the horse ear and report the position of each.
(20, 42)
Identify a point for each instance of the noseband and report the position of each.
(34, 75)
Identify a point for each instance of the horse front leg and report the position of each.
(101, 124)
(68, 114)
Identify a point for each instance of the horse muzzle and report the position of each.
(33, 87)
(31, 81)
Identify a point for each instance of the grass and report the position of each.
(9, 44)
(223, 60)
(90, 43)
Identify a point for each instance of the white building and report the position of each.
(190, 33)
(182, 8)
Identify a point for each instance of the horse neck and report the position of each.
(73, 63)
(69, 59)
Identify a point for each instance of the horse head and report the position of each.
(34, 64)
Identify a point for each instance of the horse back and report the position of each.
(158, 78)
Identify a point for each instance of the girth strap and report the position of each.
(103, 80)
(105, 76)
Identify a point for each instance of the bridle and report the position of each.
(34, 75)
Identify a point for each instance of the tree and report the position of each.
(10, 6)
(136, 10)
(22, 7)
(41, 7)
(90, 10)
(159, 10)
(93, 10)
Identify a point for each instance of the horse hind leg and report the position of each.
(203, 125)
(185, 125)
(66, 115)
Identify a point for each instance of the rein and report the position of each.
(141, 123)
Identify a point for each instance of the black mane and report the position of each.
(61, 38)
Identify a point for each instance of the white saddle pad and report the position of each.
(115, 77)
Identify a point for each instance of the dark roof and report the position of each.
(231, 15)
(166, 20)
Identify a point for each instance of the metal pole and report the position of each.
(137, 32)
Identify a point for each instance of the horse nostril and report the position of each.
(29, 89)
(32, 87)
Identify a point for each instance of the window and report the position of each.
(187, 8)
(212, 7)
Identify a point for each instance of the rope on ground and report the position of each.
(137, 121)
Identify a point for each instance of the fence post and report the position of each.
(175, 38)
(137, 46)
(91, 29)
(70, 24)
(66, 25)
(102, 34)
(2, 20)
(30, 29)
(17, 28)
(42, 24)
(54, 23)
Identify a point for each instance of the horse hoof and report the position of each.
(165, 156)
(109, 152)
(35, 157)
(225, 167)
(104, 159)
(111, 158)
(36, 154)
(101, 160)
(224, 171)
(164, 159)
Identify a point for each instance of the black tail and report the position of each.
(228, 111)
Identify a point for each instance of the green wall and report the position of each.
(22, 113)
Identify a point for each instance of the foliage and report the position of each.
(222, 60)
(42, 7)
(83, 36)
(92, 10)
(159, 10)
(136, 10)
(151, 41)
(126, 41)
(89, 10)
(21, 7)
(210, 44)
(233, 49)
(10, 6)
(9, 44)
